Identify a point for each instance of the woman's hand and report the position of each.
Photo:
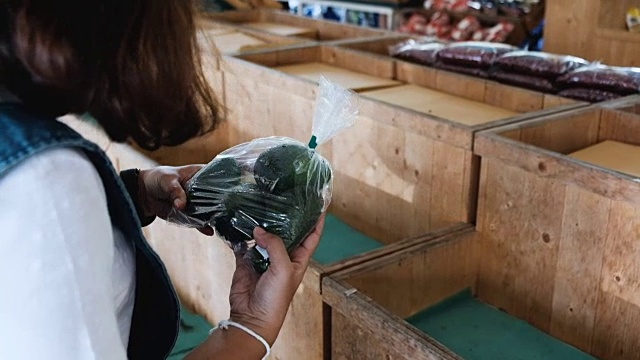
(161, 189)
(261, 302)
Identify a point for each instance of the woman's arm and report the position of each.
(260, 302)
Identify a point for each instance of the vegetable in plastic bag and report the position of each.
(538, 64)
(620, 80)
(276, 183)
(476, 54)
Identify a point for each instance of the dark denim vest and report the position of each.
(156, 313)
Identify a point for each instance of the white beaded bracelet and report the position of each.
(224, 325)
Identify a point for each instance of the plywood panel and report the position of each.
(518, 266)
(575, 300)
(612, 155)
(621, 270)
(280, 29)
(448, 187)
(349, 79)
(399, 286)
(440, 104)
(617, 329)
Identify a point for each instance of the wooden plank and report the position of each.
(621, 271)
(448, 187)
(440, 104)
(619, 126)
(301, 333)
(584, 230)
(280, 29)
(512, 98)
(518, 263)
(551, 165)
(379, 46)
(444, 267)
(349, 79)
(418, 75)
(552, 101)
(617, 329)
(370, 173)
(418, 170)
(358, 62)
(612, 155)
(460, 85)
(389, 337)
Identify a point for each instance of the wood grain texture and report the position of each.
(317, 29)
(585, 223)
(580, 282)
(398, 282)
(350, 340)
(597, 28)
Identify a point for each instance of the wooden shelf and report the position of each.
(618, 35)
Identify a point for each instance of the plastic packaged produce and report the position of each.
(538, 64)
(589, 95)
(473, 53)
(421, 51)
(623, 81)
(276, 183)
(464, 70)
(525, 81)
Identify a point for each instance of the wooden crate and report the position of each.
(230, 39)
(417, 163)
(598, 31)
(546, 192)
(427, 302)
(282, 23)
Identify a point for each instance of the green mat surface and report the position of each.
(477, 331)
(193, 331)
(340, 241)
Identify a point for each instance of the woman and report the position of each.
(78, 279)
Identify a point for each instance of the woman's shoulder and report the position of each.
(55, 166)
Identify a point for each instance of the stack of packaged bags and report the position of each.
(567, 76)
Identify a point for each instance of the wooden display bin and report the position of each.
(597, 29)
(564, 190)
(281, 23)
(411, 147)
(230, 39)
(429, 301)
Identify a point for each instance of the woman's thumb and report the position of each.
(274, 247)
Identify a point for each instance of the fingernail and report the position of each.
(259, 231)
(177, 203)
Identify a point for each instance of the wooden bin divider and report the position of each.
(301, 27)
(577, 222)
(369, 302)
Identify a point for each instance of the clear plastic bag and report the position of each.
(476, 54)
(276, 183)
(619, 80)
(421, 51)
(589, 95)
(538, 64)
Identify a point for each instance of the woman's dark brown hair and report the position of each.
(132, 64)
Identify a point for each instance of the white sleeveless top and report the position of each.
(67, 276)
